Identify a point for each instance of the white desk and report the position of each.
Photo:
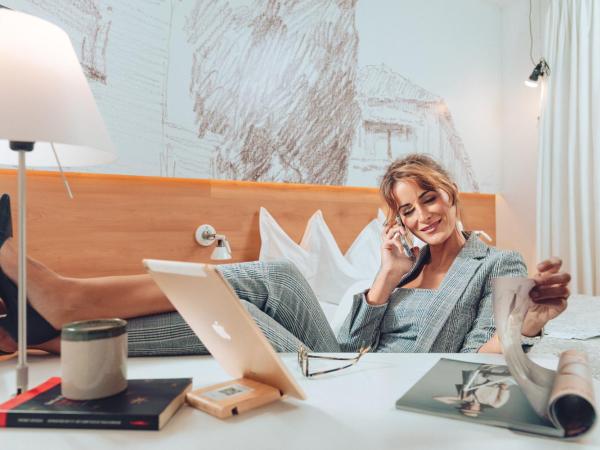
(349, 410)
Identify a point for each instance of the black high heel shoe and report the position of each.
(5, 219)
(39, 329)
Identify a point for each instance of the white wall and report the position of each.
(452, 49)
(475, 54)
(516, 210)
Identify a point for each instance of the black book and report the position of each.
(144, 405)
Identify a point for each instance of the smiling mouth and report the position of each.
(432, 227)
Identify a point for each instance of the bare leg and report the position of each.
(120, 296)
(61, 300)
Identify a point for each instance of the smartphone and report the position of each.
(406, 247)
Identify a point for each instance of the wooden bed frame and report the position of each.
(115, 221)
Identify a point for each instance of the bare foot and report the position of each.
(7, 345)
(52, 346)
(48, 292)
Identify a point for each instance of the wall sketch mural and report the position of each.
(266, 90)
(87, 20)
(276, 81)
(399, 117)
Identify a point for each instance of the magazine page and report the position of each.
(564, 396)
(477, 393)
(571, 403)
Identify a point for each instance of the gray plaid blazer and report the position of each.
(460, 316)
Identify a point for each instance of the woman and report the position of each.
(440, 303)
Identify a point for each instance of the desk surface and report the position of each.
(349, 410)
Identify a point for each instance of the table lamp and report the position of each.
(48, 117)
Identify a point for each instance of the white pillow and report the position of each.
(365, 252)
(277, 245)
(318, 256)
(333, 271)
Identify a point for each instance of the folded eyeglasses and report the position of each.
(304, 357)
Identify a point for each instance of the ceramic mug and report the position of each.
(93, 358)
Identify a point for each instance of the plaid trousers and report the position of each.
(275, 294)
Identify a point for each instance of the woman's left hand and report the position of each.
(549, 295)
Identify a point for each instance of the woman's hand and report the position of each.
(549, 295)
(394, 265)
(394, 262)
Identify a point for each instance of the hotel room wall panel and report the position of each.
(115, 221)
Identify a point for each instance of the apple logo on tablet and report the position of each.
(220, 330)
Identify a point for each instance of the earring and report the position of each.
(459, 226)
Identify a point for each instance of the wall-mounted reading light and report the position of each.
(540, 70)
(206, 235)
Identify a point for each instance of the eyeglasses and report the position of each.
(304, 357)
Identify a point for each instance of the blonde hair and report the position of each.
(421, 169)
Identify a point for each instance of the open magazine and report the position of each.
(520, 395)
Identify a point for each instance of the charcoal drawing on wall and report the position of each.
(263, 90)
(279, 84)
(277, 81)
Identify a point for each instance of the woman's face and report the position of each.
(428, 215)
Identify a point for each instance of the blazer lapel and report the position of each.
(450, 291)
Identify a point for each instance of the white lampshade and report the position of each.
(45, 97)
(222, 250)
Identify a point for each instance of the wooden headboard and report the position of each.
(115, 221)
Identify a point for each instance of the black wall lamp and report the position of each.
(540, 70)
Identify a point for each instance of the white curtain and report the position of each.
(568, 200)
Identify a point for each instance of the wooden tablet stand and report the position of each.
(234, 397)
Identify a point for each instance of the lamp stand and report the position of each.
(22, 368)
